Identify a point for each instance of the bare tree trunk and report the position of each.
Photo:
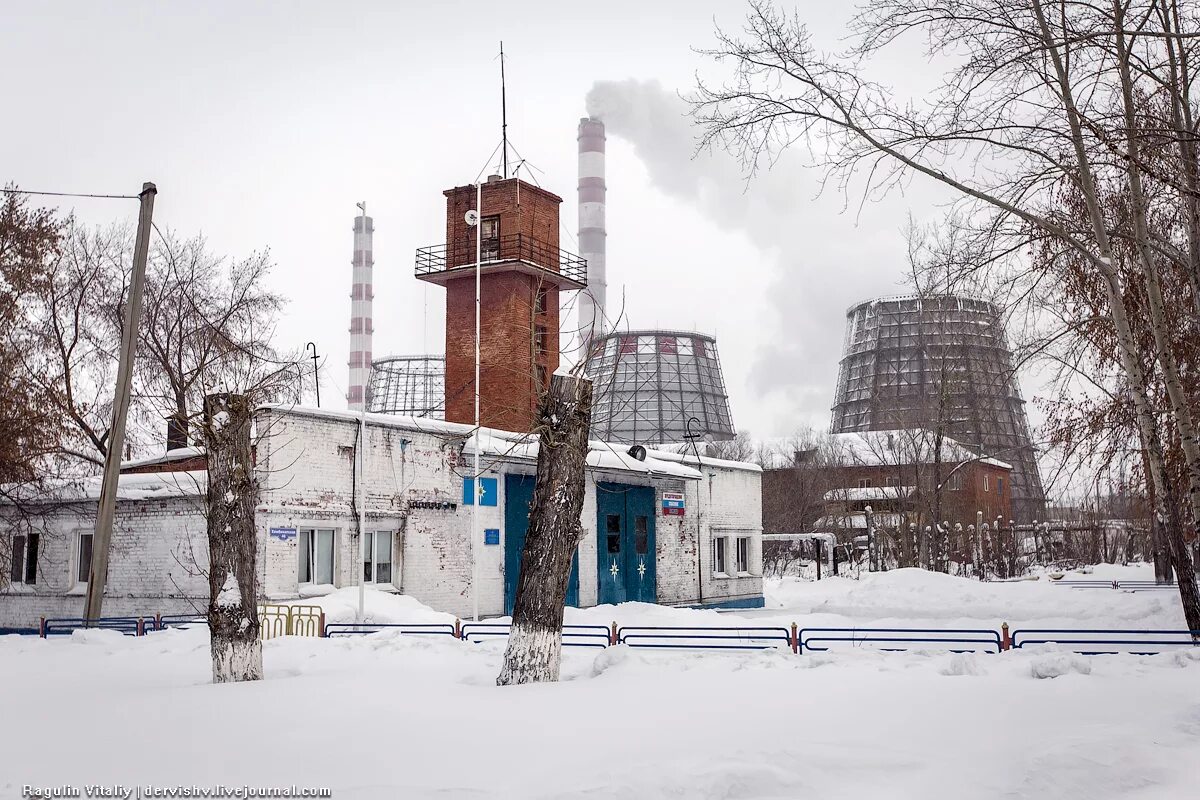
(535, 644)
(232, 547)
(1180, 407)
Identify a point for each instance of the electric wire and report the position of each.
(8, 190)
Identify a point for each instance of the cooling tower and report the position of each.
(902, 353)
(409, 386)
(647, 384)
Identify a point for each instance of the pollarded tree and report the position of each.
(563, 422)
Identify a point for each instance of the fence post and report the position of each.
(457, 628)
(1005, 640)
(158, 621)
(321, 625)
(42, 628)
(795, 639)
(612, 636)
(287, 624)
(141, 626)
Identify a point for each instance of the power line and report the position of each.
(73, 194)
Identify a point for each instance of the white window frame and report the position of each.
(372, 556)
(741, 555)
(987, 484)
(314, 533)
(720, 555)
(954, 482)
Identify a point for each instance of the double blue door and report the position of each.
(625, 543)
(518, 494)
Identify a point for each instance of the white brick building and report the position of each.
(636, 544)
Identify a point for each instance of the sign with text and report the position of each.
(283, 534)
(672, 504)
(491, 536)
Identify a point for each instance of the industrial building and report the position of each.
(408, 386)
(658, 387)
(939, 362)
(650, 386)
(639, 543)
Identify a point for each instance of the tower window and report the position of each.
(540, 303)
(489, 238)
(539, 340)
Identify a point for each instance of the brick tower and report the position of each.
(522, 271)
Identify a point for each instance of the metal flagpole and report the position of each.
(362, 474)
(475, 481)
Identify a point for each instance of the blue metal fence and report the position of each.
(362, 628)
(900, 639)
(1097, 642)
(704, 637)
(130, 626)
(572, 635)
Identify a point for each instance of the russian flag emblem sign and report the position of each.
(672, 504)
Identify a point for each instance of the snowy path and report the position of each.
(391, 717)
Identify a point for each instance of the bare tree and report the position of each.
(535, 644)
(232, 545)
(1025, 105)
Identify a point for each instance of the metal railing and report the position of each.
(1096, 642)
(901, 639)
(1128, 586)
(333, 629)
(704, 637)
(572, 635)
(514, 247)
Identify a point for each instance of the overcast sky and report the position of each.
(264, 123)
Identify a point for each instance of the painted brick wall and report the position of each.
(305, 475)
(158, 548)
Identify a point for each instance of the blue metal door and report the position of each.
(518, 493)
(625, 543)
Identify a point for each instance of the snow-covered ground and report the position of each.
(387, 716)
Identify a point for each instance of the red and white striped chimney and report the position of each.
(362, 325)
(592, 190)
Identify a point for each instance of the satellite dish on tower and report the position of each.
(472, 217)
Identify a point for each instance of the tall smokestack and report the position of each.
(592, 302)
(362, 325)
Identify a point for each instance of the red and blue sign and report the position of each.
(673, 504)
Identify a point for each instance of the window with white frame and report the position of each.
(84, 562)
(24, 559)
(720, 556)
(743, 555)
(987, 483)
(316, 555)
(954, 482)
(377, 557)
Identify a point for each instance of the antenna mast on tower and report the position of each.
(503, 113)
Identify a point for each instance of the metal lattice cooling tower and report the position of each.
(900, 350)
(649, 383)
(409, 386)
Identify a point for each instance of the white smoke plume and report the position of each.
(813, 260)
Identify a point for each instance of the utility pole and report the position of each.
(476, 481)
(93, 607)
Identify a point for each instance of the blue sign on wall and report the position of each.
(283, 534)
(488, 492)
(491, 536)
